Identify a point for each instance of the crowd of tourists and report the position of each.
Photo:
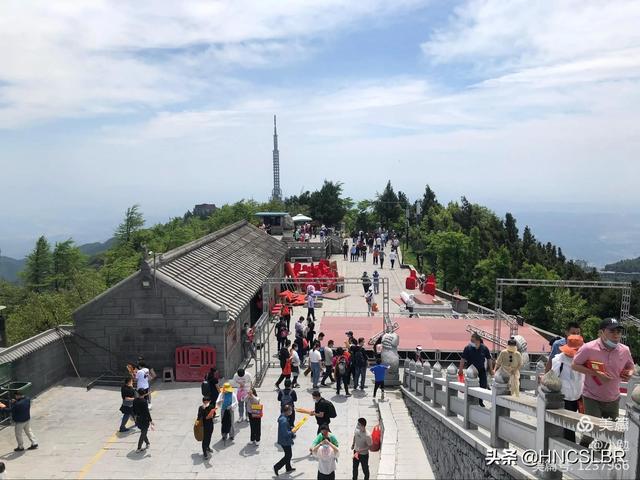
(301, 353)
(373, 244)
(590, 372)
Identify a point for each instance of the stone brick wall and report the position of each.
(44, 367)
(130, 320)
(450, 455)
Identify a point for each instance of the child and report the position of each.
(379, 371)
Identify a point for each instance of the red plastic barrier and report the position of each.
(376, 438)
(193, 362)
(410, 283)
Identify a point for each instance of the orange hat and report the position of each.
(574, 342)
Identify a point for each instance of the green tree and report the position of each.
(37, 273)
(429, 201)
(133, 221)
(387, 207)
(326, 205)
(567, 307)
(496, 265)
(451, 258)
(68, 260)
(539, 300)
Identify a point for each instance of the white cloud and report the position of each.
(70, 59)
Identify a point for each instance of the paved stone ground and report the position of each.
(76, 429)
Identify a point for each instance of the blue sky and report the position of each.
(512, 103)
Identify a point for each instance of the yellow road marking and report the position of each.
(90, 464)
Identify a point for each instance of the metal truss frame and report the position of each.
(501, 283)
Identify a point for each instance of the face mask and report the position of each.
(474, 345)
(610, 343)
(512, 349)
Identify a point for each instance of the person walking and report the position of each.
(359, 363)
(354, 253)
(376, 255)
(255, 411)
(212, 379)
(366, 282)
(295, 365)
(289, 397)
(20, 409)
(227, 405)
(345, 250)
(310, 332)
(363, 251)
(369, 299)
(128, 395)
(379, 371)
(328, 364)
(327, 454)
(605, 362)
(360, 445)
(142, 380)
(376, 282)
(324, 410)
(341, 370)
(243, 382)
(206, 413)
(311, 306)
(393, 256)
(286, 315)
(477, 354)
(143, 418)
(285, 440)
(284, 356)
(315, 361)
(382, 255)
(572, 328)
(282, 332)
(572, 381)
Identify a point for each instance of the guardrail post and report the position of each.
(437, 373)
(452, 376)
(412, 375)
(499, 387)
(549, 398)
(426, 372)
(470, 381)
(540, 366)
(419, 378)
(405, 374)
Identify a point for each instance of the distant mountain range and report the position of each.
(11, 267)
(625, 266)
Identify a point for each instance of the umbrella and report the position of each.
(301, 218)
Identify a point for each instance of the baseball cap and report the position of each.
(574, 342)
(610, 324)
(349, 333)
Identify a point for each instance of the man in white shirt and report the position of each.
(572, 381)
(327, 455)
(142, 380)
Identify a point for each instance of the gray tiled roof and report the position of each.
(34, 343)
(226, 267)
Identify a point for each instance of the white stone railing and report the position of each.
(540, 426)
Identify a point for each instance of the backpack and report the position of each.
(305, 344)
(286, 398)
(206, 389)
(359, 358)
(332, 409)
(342, 366)
(284, 333)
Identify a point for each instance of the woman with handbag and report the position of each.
(206, 414)
(255, 412)
(128, 395)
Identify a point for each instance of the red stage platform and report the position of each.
(444, 334)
